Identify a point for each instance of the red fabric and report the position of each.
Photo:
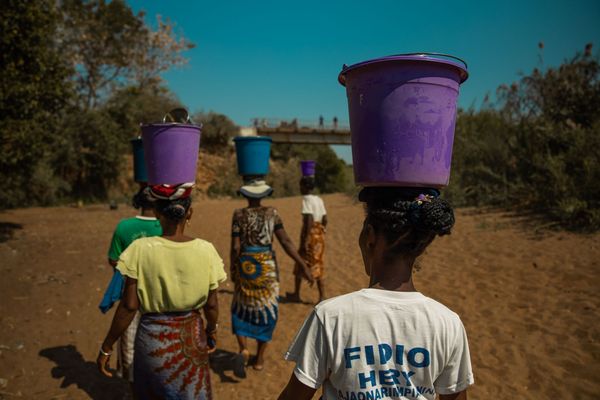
(172, 192)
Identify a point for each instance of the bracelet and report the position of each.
(214, 330)
(104, 353)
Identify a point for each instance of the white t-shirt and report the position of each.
(376, 344)
(312, 204)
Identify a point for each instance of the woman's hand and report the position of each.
(125, 313)
(211, 313)
(211, 341)
(103, 361)
(307, 274)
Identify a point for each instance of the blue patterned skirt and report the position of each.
(255, 305)
(171, 358)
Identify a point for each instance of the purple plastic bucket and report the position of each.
(402, 117)
(171, 152)
(308, 167)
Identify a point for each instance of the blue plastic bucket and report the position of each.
(253, 153)
(140, 174)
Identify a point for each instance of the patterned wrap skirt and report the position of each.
(255, 305)
(171, 358)
(313, 255)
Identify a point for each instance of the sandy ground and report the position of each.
(529, 301)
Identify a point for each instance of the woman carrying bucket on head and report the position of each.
(128, 230)
(172, 280)
(388, 340)
(312, 235)
(255, 308)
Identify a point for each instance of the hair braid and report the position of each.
(175, 210)
(408, 217)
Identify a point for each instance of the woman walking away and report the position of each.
(387, 340)
(254, 309)
(169, 279)
(312, 238)
(128, 230)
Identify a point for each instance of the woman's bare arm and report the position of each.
(125, 313)
(234, 255)
(289, 248)
(211, 311)
(454, 396)
(296, 390)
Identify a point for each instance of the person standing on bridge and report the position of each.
(335, 122)
(321, 121)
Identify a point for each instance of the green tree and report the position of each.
(540, 149)
(118, 60)
(89, 154)
(110, 46)
(34, 90)
(90, 151)
(331, 174)
(131, 106)
(217, 131)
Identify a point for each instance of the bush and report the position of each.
(540, 150)
(217, 131)
(331, 175)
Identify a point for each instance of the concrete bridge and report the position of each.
(298, 131)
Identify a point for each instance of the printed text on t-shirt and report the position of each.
(399, 378)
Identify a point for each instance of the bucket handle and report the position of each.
(435, 54)
(177, 115)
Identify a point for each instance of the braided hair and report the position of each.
(175, 210)
(409, 218)
(143, 199)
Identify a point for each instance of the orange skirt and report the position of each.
(313, 254)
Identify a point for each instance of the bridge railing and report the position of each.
(295, 124)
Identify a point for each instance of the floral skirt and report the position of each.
(171, 358)
(313, 255)
(255, 305)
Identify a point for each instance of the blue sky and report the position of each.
(281, 58)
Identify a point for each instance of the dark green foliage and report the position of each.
(89, 154)
(34, 89)
(217, 131)
(131, 106)
(540, 150)
(284, 176)
(482, 160)
(77, 78)
(331, 174)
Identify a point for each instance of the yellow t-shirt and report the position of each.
(172, 276)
